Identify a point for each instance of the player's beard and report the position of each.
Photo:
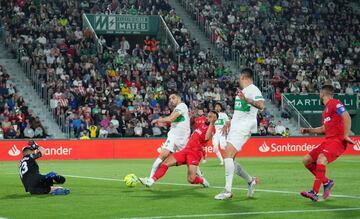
(322, 101)
(207, 122)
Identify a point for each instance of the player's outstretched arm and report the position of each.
(171, 118)
(41, 149)
(318, 130)
(347, 127)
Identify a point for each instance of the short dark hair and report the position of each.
(27, 150)
(176, 93)
(217, 115)
(219, 104)
(328, 89)
(248, 73)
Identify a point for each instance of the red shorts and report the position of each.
(331, 148)
(188, 156)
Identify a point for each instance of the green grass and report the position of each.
(95, 198)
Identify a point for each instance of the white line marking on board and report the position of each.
(213, 187)
(247, 213)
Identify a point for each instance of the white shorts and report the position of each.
(173, 144)
(240, 133)
(219, 139)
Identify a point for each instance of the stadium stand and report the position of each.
(119, 91)
(296, 45)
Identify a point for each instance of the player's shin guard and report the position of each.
(218, 154)
(320, 177)
(312, 168)
(155, 166)
(198, 180)
(160, 172)
(229, 173)
(239, 170)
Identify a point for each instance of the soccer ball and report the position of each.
(131, 180)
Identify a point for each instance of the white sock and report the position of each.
(198, 172)
(218, 154)
(155, 166)
(229, 173)
(241, 172)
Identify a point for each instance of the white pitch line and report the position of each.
(213, 187)
(247, 213)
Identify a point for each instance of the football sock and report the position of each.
(218, 154)
(241, 172)
(160, 172)
(320, 177)
(155, 166)
(198, 172)
(312, 168)
(197, 180)
(229, 173)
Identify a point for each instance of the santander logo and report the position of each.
(14, 151)
(274, 147)
(357, 145)
(264, 148)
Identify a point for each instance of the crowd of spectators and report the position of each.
(297, 45)
(16, 119)
(116, 92)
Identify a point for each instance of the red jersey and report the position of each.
(332, 119)
(199, 121)
(197, 139)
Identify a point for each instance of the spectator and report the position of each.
(279, 129)
(103, 133)
(129, 131)
(28, 131)
(147, 131)
(138, 130)
(84, 135)
(156, 131)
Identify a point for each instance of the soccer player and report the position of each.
(336, 127)
(190, 155)
(219, 139)
(200, 119)
(179, 131)
(247, 103)
(33, 181)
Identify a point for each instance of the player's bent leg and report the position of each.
(309, 164)
(320, 179)
(193, 178)
(160, 172)
(230, 151)
(162, 156)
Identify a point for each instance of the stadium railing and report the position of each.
(42, 90)
(290, 110)
(87, 25)
(167, 37)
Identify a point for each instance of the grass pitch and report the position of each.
(97, 191)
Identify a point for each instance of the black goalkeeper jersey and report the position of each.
(29, 170)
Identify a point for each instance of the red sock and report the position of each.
(198, 180)
(312, 168)
(319, 177)
(160, 172)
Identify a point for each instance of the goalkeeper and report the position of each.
(33, 181)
